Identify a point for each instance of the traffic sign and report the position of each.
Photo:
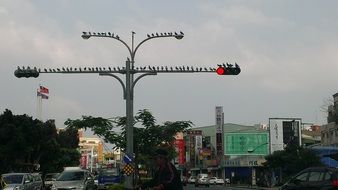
(128, 169)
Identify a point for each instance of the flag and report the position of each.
(43, 96)
(44, 90)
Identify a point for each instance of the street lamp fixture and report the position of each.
(251, 150)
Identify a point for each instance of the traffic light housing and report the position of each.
(228, 69)
(26, 73)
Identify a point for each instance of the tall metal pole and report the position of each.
(129, 122)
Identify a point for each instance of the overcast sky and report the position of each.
(287, 50)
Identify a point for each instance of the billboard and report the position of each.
(283, 132)
(246, 144)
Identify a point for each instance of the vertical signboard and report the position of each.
(179, 146)
(276, 135)
(283, 132)
(192, 143)
(198, 144)
(100, 152)
(219, 130)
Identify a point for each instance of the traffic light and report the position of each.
(228, 69)
(26, 73)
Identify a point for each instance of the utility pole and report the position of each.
(130, 70)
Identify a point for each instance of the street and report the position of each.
(219, 187)
(211, 187)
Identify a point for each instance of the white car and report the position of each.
(192, 179)
(216, 180)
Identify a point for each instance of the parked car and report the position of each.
(18, 181)
(77, 179)
(37, 182)
(216, 180)
(202, 179)
(108, 177)
(314, 178)
(49, 178)
(192, 179)
(184, 180)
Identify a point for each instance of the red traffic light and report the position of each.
(228, 70)
(220, 70)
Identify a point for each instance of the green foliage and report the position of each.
(292, 160)
(147, 137)
(116, 187)
(25, 142)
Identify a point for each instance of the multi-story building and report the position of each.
(243, 151)
(95, 154)
(329, 132)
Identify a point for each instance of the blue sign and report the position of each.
(127, 159)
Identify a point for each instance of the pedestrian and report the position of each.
(166, 176)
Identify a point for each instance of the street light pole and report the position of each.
(129, 87)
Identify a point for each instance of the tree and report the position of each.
(147, 137)
(292, 160)
(26, 143)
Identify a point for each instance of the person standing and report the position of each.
(166, 176)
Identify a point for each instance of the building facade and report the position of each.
(329, 132)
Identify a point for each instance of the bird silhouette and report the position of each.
(148, 35)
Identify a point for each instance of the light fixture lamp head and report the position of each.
(179, 36)
(85, 35)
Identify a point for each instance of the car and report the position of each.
(108, 177)
(192, 179)
(184, 180)
(18, 181)
(77, 179)
(216, 180)
(227, 180)
(37, 182)
(313, 178)
(202, 179)
(49, 178)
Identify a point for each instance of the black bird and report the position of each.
(175, 34)
(109, 34)
(45, 70)
(117, 37)
(156, 34)
(148, 35)
(181, 32)
(58, 69)
(109, 68)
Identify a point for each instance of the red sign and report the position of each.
(179, 144)
(83, 161)
(194, 132)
